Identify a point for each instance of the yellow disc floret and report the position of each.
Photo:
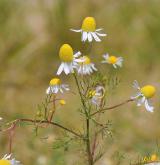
(112, 59)
(55, 81)
(89, 24)
(148, 91)
(86, 61)
(66, 53)
(62, 102)
(5, 162)
(91, 93)
(154, 157)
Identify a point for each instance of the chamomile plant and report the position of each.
(91, 89)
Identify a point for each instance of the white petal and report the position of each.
(77, 54)
(141, 101)
(100, 34)
(74, 30)
(84, 36)
(97, 30)
(148, 106)
(136, 85)
(136, 96)
(94, 68)
(48, 91)
(90, 37)
(106, 56)
(114, 65)
(119, 63)
(66, 87)
(55, 89)
(60, 69)
(95, 36)
(66, 68)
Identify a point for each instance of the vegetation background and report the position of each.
(31, 33)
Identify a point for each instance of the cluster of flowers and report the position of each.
(75, 62)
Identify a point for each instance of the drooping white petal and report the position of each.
(97, 30)
(90, 37)
(136, 96)
(93, 66)
(84, 36)
(65, 86)
(66, 68)
(55, 89)
(114, 65)
(95, 37)
(148, 106)
(106, 56)
(77, 54)
(60, 69)
(101, 34)
(48, 90)
(141, 101)
(119, 61)
(74, 30)
(136, 85)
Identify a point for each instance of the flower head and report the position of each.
(154, 157)
(66, 53)
(89, 31)
(148, 91)
(55, 86)
(89, 24)
(85, 66)
(96, 95)
(144, 95)
(7, 160)
(115, 61)
(68, 59)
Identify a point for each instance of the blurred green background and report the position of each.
(31, 33)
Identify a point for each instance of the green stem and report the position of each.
(88, 147)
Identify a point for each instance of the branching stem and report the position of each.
(112, 107)
(43, 122)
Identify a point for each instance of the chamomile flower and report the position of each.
(96, 95)
(85, 67)
(68, 58)
(144, 95)
(89, 31)
(8, 160)
(56, 86)
(115, 61)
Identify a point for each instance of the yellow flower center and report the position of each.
(86, 61)
(154, 157)
(66, 53)
(62, 102)
(5, 162)
(89, 24)
(148, 91)
(112, 59)
(55, 81)
(91, 93)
